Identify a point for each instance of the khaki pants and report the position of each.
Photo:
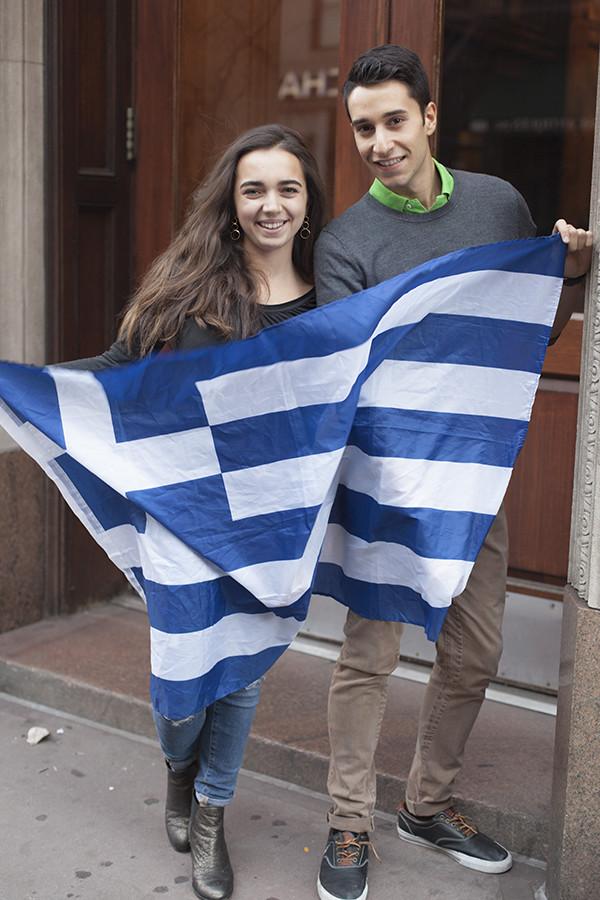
(468, 653)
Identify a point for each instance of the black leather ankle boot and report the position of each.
(180, 790)
(211, 870)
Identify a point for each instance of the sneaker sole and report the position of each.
(325, 895)
(489, 867)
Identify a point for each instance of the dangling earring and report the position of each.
(305, 230)
(234, 230)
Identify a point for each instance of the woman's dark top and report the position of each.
(194, 336)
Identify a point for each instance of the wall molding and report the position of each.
(584, 555)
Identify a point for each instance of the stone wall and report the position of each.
(22, 302)
(573, 860)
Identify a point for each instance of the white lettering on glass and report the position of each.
(322, 83)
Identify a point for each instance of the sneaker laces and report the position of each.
(459, 821)
(347, 850)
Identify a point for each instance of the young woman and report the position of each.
(241, 261)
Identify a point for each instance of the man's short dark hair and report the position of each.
(389, 62)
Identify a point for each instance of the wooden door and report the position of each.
(89, 92)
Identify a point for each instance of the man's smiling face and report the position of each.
(392, 136)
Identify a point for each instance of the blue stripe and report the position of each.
(303, 431)
(386, 602)
(180, 699)
(317, 332)
(430, 533)
(532, 256)
(27, 388)
(415, 434)
(258, 440)
(197, 512)
(109, 507)
(469, 341)
(184, 608)
(148, 400)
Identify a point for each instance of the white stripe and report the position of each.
(437, 580)
(297, 483)
(131, 465)
(282, 386)
(282, 582)
(489, 294)
(167, 560)
(397, 481)
(179, 657)
(121, 545)
(162, 556)
(443, 387)
(27, 436)
(516, 296)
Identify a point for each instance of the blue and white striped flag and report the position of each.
(377, 433)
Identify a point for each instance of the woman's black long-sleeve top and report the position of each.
(194, 336)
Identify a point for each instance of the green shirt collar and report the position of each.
(410, 205)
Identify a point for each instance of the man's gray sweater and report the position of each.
(371, 242)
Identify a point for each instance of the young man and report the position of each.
(416, 210)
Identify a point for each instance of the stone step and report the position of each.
(95, 664)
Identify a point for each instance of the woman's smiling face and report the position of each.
(270, 199)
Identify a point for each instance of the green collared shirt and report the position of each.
(411, 204)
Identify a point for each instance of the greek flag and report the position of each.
(361, 450)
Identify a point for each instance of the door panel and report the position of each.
(156, 41)
(226, 79)
(563, 358)
(539, 500)
(89, 87)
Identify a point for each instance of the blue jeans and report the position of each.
(215, 739)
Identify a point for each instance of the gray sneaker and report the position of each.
(343, 873)
(454, 835)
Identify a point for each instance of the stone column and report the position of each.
(22, 310)
(22, 296)
(574, 855)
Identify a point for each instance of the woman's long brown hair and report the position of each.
(203, 273)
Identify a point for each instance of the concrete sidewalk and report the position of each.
(95, 664)
(82, 817)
